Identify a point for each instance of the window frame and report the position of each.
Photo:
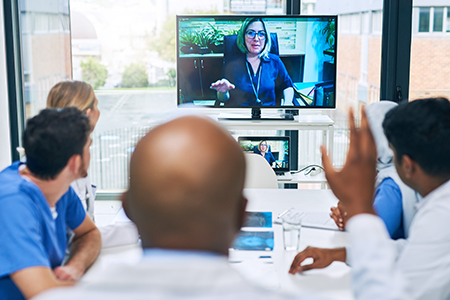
(395, 63)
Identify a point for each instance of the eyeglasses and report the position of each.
(251, 34)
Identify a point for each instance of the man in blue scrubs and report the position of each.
(38, 206)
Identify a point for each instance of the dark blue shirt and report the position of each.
(274, 80)
(388, 206)
(269, 157)
(29, 235)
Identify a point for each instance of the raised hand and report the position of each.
(354, 185)
(222, 86)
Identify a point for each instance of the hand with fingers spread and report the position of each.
(322, 258)
(354, 185)
(339, 215)
(222, 85)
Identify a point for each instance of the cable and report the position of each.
(310, 166)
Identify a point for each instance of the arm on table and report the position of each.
(35, 280)
(322, 258)
(351, 187)
(85, 248)
(373, 253)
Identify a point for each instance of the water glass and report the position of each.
(291, 232)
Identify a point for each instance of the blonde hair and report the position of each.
(74, 93)
(260, 143)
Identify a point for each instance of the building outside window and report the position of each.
(429, 49)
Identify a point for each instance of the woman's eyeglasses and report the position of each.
(251, 34)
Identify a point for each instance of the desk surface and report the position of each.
(332, 282)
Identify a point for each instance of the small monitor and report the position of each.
(275, 150)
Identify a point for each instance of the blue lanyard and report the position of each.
(256, 92)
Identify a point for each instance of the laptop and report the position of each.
(277, 152)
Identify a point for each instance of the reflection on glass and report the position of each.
(45, 49)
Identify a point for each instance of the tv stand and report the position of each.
(256, 116)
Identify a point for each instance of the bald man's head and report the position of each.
(186, 183)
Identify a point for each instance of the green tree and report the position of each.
(166, 42)
(94, 72)
(135, 75)
(172, 74)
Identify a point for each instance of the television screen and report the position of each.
(256, 61)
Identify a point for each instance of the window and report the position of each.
(358, 64)
(428, 77)
(377, 22)
(45, 49)
(424, 19)
(438, 19)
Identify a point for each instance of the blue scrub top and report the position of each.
(274, 80)
(388, 206)
(29, 235)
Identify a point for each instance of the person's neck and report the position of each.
(221, 248)
(430, 184)
(52, 189)
(252, 57)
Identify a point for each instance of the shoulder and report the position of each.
(388, 184)
(10, 181)
(272, 58)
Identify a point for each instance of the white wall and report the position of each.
(5, 140)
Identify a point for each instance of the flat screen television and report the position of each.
(238, 61)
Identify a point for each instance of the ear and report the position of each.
(88, 112)
(124, 200)
(74, 163)
(408, 166)
(241, 213)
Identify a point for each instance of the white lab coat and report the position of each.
(167, 277)
(416, 268)
(116, 234)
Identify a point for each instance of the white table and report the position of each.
(302, 178)
(332, 282)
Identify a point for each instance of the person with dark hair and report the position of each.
(394, 202)
(187, 228)
(256, 76)
(37, 206)
(81, 95)
(417, 267)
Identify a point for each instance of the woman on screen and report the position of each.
(263, 149)
(255, 77)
